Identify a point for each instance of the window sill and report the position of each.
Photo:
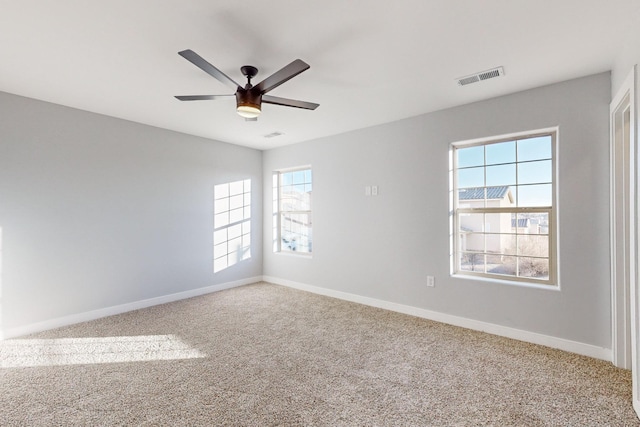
(294, 254)
(548, 287)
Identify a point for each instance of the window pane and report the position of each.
(471, 197)
(521, 224)
(534, 148)
(534, 172)
(287, 178)
(504, 265)
(540, 222)
(470, 222)
(474, 242)
(472, 177)
(532, 245)
(503, 152)
(532, 223)
(493, 244)
(501, 175)
(504, 244)
(509, 245)
(536, 268)
(470, 156)
(298, 177)
(472, 261)
(287, 191)
(500, 240)
(534, 195)
(497, 222)
(296, 232)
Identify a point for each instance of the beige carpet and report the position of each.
(264, 355)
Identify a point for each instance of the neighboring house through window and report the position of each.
(292, 211)
(504, 208)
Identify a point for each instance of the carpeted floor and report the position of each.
(265, 355)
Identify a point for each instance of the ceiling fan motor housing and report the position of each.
(248, 98)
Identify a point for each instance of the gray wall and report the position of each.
(628, 54)
(384, 247)
(97, 212)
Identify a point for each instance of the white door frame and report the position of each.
(624, 226)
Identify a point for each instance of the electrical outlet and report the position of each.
(367, 190)
(374, 190)
(431, 281)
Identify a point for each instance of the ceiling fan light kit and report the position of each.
(249, 98)
(248, 111)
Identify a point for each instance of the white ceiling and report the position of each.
(371, 61)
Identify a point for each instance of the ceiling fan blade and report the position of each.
(201, 63)
(268, 99)
(279, 77)
(200, 97)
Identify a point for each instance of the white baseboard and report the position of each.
(491, 328)
(123, 308)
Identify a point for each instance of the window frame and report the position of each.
(278, 212)
(553, 280)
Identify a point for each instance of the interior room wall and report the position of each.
(383, 247)
(97, 212)
(628, 55)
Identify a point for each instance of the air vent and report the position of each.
(483, 75)
(273, 134)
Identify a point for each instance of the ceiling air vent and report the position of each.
(483, 75)
(273, 134)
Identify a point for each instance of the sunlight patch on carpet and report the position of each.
(79, 351)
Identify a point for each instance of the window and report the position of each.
(231, 224)
(292, 211)
(503, 208)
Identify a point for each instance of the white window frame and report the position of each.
(278, 212)
(552, 282)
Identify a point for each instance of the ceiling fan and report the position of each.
(249, 98)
